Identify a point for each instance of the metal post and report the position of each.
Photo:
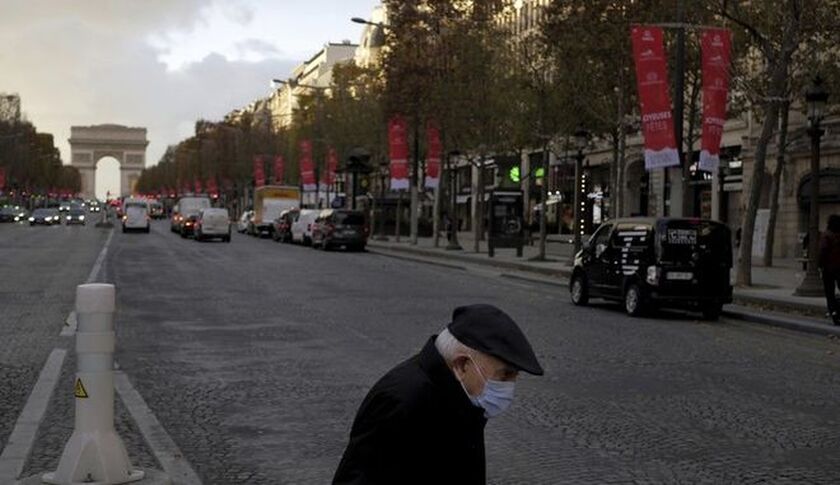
(812, 284)
(382, 236)
(415, 189)
(95, 452)
(679, 110)
(577, 225)
(399, 214)
(453, 244)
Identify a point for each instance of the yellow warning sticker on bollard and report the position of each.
(80, 391)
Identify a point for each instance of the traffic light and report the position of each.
(514, 175)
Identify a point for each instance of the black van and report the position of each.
(650, 262)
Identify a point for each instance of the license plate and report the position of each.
(679, 276)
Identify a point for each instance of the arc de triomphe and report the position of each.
(89, 144)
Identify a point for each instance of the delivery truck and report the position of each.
(269, 202)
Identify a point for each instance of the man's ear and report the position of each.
(459, 364)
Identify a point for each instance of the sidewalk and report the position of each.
(769, 300)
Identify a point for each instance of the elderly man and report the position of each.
(423, 422)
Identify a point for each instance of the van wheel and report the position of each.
(578, 290)
(633, 301)
(712, 311)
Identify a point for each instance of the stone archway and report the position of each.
(89, 144)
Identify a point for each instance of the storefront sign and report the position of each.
(655, 101)
(716, 45)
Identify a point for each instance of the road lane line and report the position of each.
(26, 428)
(94, 272)
(69, 328)
(164, 448)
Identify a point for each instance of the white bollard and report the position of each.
(95, 452)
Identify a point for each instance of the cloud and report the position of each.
(81, 63)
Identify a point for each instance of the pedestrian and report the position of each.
(423, 422)
(829, 262)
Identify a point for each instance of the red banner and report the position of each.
(279, 169)
(2, 178)
(652, 81)
(716, 45)
(212, 188)
(433, 155)
(198, 186)
(259, 171)
(398, 144)
(307, 167)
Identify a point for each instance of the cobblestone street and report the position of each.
(255, 356)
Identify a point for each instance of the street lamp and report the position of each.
(453, 244)
(581, 137)
(816, 98)
(384, 170)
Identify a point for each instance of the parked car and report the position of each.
(650, 263)
(340, 228)
(13, 214)
(283, 225)
(212, 223)
(136, 216)
(302, 226)
(75, 216)
(244, 221)
(45, 217)
(64, 207)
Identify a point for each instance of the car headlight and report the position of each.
(31, 219)
(81, 218)
(68, 218)
(17, 218)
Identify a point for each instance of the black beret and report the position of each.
(487, 329)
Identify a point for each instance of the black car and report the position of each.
(75, 216)
(647, 263)
(45, 217)
(336, 228)
(13, 214)
(188, 225)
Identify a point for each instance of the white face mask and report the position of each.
(496, 396)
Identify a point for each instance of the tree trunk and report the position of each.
(478, 213)
(775, 189)
(771, 109)
(622, 155)
(688, 190)
(543, 202)
(616, 154)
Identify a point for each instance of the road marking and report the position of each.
(164, 448)
(94, 272)
(26, 428)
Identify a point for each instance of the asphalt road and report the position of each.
(255, 356)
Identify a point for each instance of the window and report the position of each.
(602, 236)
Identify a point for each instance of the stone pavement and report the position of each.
(772, 290)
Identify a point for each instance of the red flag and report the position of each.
(307, 166)
(716, 45)
(198, 188)
(433, 155)
(259, 171)
(279, 168)
(2, 178)
(398, 144)
(652, 81)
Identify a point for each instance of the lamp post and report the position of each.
(453, 244)
(383, 177)
(581, 141)
(815, 98)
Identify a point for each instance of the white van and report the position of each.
(302, 226)
(135, 215)
(213, 223)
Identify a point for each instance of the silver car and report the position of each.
(212, 223)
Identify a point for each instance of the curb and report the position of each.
(562, 273)
(782, 321)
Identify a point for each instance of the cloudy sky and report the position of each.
(161, 64)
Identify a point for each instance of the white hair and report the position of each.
(450, 347)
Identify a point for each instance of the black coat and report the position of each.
(416, 426)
